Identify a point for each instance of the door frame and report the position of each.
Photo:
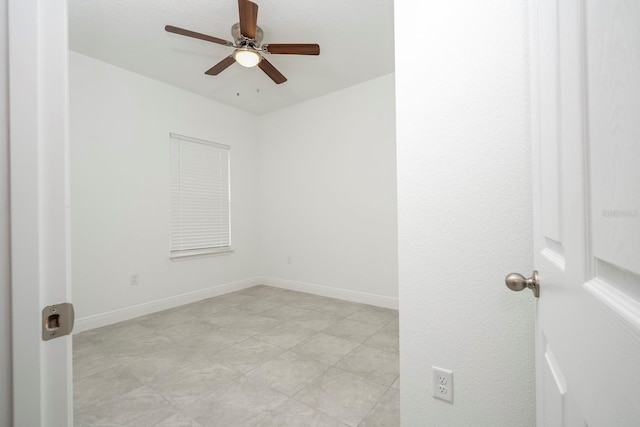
(39, 189)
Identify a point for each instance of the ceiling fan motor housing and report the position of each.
(241, 40)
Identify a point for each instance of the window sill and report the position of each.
(185, 256)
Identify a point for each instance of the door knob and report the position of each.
(517, 282)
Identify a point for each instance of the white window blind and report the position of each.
(199, 196)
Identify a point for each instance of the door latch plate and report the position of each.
(57, 321)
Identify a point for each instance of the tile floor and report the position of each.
(259, 357)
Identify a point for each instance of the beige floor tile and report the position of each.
(325, 348)
(295, 414)
(315, 320)
(89, 365)
(352, 330)
(227, 316)
(120, 332)
(103, 387)
(387, 338)
(286, 335)
(258, 306)
(186, 332)
(247, 355)
(284, 312)
(129, 351)
(198, 365)
(377, 315)
(162, 320)
(179, 420)
(236, 298)
(386, 413)
(340, 308)
(253, 324)
(204, 308)
(140, 408)
(82, 347)
(159, 364)
(342, 395)
(261, 291)
(187, 385)
(242, 403)
(396, 384)
(215, 341)
(204, 363)
(288, 373)
(373, 364)
(313, 302)
(287, 297)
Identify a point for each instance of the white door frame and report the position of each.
(40, 256)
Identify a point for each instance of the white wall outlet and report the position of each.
(443, 384)
(288, 259)
(134, 280)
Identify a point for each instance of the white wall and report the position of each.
(5, 271)
(464, 203)
(120, 125)
(328, 192)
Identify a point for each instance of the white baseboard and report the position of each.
(120, 315)
(327, 291)
(127, 313)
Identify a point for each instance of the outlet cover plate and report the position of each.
(442, 384)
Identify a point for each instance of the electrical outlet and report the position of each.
(288, 259)
(443, 384)
(133, 280)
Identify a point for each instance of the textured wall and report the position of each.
(119, 127)
(317, 180)
(5, 281)
(464, 196)
(328, 191)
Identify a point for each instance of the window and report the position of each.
(199, 197)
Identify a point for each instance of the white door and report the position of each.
(585, 63)
(42, 385)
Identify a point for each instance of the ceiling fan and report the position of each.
(247, 38)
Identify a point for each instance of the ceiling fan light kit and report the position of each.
(247, 57)
(247, 38)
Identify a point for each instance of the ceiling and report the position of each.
(355, 37)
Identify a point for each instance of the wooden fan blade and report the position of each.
(292, 49)
(248, 18)
(189, 33)
(271, 71)
(220, 66)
